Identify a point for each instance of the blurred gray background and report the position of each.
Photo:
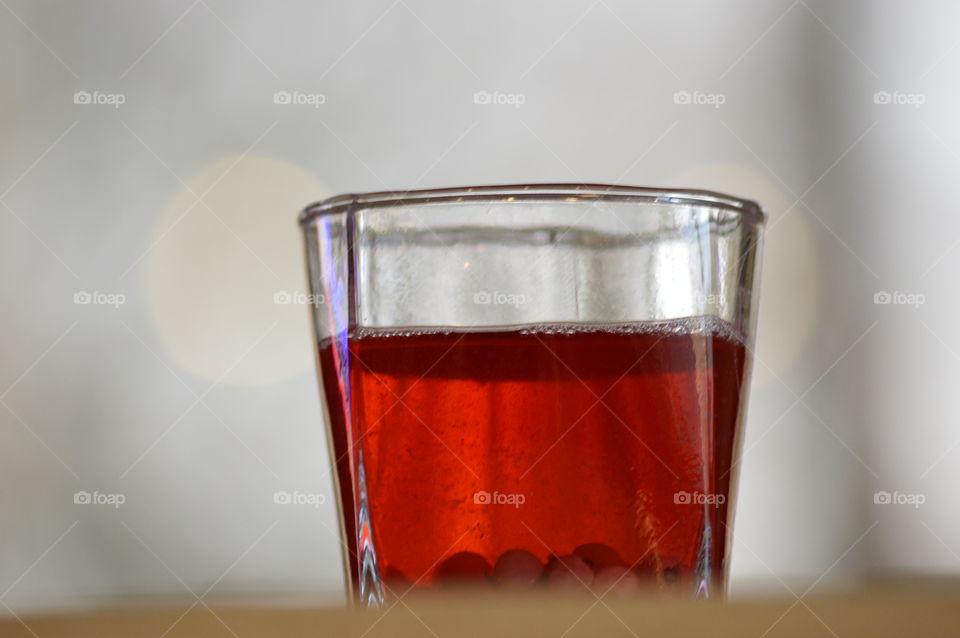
(155, 156)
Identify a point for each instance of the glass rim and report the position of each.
(751, 211)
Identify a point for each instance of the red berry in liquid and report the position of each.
(615, 580)
(569, 571)
(395, 582)
(518, 568)
(598, 555)
(462, 568)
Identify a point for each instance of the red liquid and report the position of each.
(583, 436)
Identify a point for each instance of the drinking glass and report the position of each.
(536, 386)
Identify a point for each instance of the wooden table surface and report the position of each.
(904, 611)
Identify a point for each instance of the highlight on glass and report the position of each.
(534, 387)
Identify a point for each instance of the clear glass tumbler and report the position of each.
(536, 386)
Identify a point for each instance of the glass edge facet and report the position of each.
(749, 209)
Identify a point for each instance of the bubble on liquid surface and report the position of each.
(383, 333)
(702, 325)
(707, 325)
